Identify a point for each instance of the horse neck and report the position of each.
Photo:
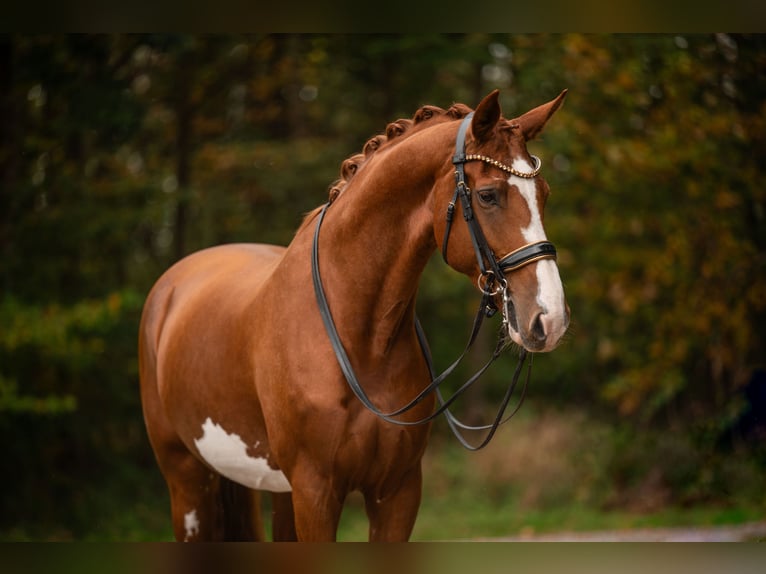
(376, 241)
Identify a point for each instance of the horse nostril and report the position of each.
(538, 328)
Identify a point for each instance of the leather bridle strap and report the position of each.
(485, 257)
(454, 424)
(458, 160)
(356, 387)
(526, 255)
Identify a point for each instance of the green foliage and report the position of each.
(659, 216)
(120, 154)
(554, 470)
(67, 400)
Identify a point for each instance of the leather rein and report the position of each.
(491, 282)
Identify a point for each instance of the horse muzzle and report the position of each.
(541, 332)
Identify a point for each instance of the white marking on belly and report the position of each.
(191, 524)
(227, 454)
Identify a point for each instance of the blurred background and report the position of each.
(120, 154)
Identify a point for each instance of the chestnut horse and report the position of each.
(240, 385)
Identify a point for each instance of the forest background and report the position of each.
(119, 154)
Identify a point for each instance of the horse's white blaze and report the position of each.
(534, 231)
(191, 524)
(227, 454)
(550, 291)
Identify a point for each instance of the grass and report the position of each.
(554, 471)
(447, 520)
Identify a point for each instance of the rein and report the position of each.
(492, 271)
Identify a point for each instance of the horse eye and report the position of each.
(487, 196)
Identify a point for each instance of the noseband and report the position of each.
(491, 270)
(494, 282)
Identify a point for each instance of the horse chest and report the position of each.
(228, 454)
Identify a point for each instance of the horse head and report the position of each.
(500, 239)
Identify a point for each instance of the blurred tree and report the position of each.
(667, 147)
(67, 223)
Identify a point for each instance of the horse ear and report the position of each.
(486, 116)
(533, 121)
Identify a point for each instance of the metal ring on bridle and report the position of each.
(489, 277)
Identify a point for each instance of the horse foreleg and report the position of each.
(317, 507)
(282, 517)
(392, 515)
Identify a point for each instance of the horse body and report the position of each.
(239, 380)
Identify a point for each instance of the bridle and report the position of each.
(491, 282)
(491, 270)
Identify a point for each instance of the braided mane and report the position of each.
(395, 132)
